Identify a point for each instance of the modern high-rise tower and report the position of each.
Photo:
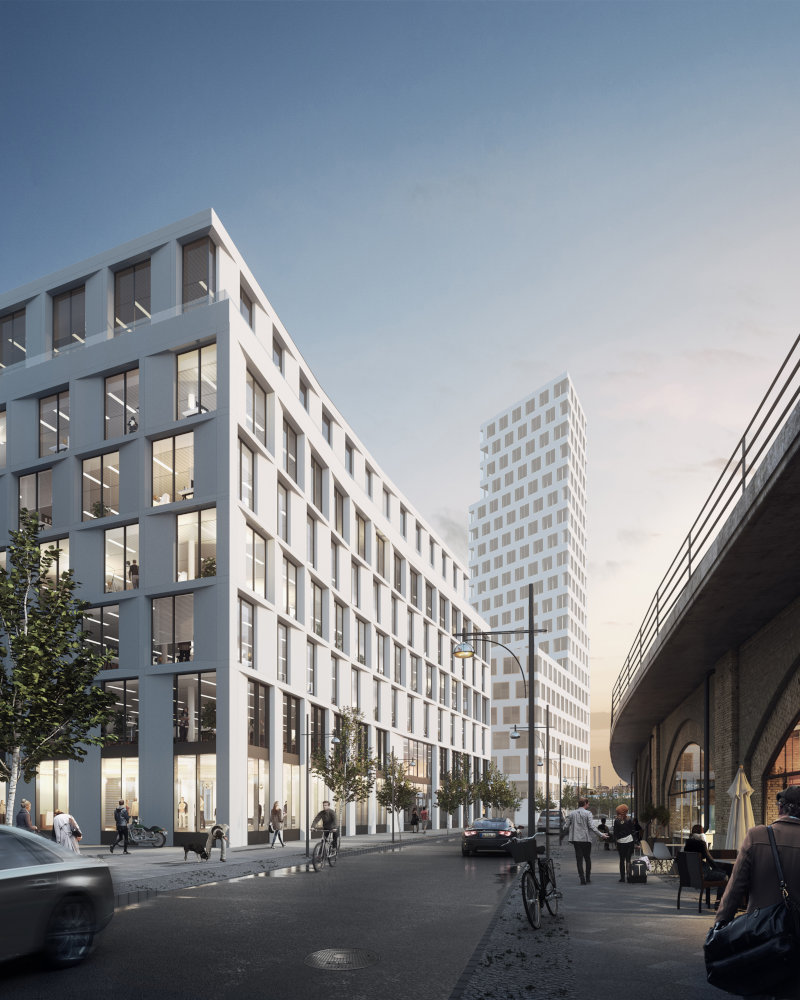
(529, 527)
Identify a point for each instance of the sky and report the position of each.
(449, 204)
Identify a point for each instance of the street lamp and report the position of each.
(307, 734)
(464, 651)
(515, 734)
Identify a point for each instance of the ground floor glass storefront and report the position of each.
(686, 794)
(119, 780)
(258, 804)
(195, 791)
(52, 791)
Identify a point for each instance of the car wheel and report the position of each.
(70, 932)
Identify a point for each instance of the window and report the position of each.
(100, 486)
(283, 512)
(429, 600)
(199, 271)
(57, 550)
(398, 573)
(246, 306)
(258, 714)
(376, 700)
(173, 468)
(362, 640)
(409, 713)
(283, 653)
(335, 566)
(131, 296)
(419, 538)
(122, 404)
(429, 680)
(3, 438)
(173, 628)
(327, 431)
(368, 481)
(53, 424)
(247, 476)
(355, 584)
(311, 668)
(387, 503)
(355, 688)
(303, 394)
(36, 494)
(398, 664)
(413, 588)
(197, 381)
(338, 635)
(290, 450)
(12, 338)
(316, 609)
(195, 708)
(69, 319)
(124, 724)
(255, 561)
(361, 536)
(196, 544)
(291, 724)
(334, 680)
(247, 615)
(338, 512)
(277, 355)
(255, 409)
(349, 463)
(382, 645)
(101, 628)
(381, 545)
(122, 558)
(403, 522)
(376, 599)
(316, 483)
(289, 605)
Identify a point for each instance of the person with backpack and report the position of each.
(121, 818)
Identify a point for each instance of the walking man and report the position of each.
(121, 818)
(582, 829)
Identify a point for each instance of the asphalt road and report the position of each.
(413, 917)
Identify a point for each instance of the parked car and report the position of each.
(51, 900)
(488, 835)
(552, 823)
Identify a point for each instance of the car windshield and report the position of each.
(490, 824)
(22, 850)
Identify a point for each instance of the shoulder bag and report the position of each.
(755, 953)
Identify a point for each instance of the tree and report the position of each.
(349, 769)
(455, 788)
(496, 791)
(49, 705)
(569, 797)
(542, 803)
(397, 792)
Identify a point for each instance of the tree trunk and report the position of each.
(12, 785)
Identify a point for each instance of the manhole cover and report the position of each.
(335, 959)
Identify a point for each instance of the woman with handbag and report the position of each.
(626, 835)
(276, 820)
(768, 876)
(66, 831)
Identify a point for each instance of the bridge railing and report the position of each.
(771, 415)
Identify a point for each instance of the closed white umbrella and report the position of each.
(741, 811)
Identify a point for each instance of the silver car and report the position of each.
(51, 900)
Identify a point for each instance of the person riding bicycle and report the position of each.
(327, 818)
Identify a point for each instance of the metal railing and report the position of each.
(770, 417)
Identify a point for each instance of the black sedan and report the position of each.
(51, 900)
(488, 835)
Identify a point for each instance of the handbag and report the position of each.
(755, 953)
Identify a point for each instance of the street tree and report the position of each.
(49, 704)
(569, 797)
(397, 792)
(496, 791)
(456, 788)
(348, 769)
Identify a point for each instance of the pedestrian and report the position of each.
(423, 818)
(121, 818)
(716, 871)
(218, 834)
(754, 877)
(602, 827)
(414, 820)
(625, 834)
(23, 819)
(581, 830)
(66, 831)
(276, 818)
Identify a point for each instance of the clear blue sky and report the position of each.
(449, 204)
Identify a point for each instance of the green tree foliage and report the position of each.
(349, 769)
(49, 706)
(496, 791)
(456, 788)
(397, 792)
(569, 797)
(542, 802)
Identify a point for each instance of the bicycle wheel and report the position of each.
(530, 899)
(318, 856)
(549, 891)
(333, 855)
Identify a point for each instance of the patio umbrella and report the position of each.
(741, 818)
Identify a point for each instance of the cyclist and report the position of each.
(327, 818)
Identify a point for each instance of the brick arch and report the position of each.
(780, 716)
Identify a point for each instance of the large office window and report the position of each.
(258, 714)
(289, 605)
(256, 409)
(57, 549)
(131, 296)
(173, 468)
(13, 346)
(196, 550)
(247, 476)
(124, 723)
(290, 450)
(53, 424)
(122, 404)
(173, 628)
(195, 707)
(255, 561)
(100, 486)
(247, 619)
(291, 724)
(122, 558)
(69, 318)
(101, 628)
(36, 494)
(199, 271)
(197, 381)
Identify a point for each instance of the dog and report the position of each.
(198, 849)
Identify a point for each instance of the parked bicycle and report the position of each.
(537, 881)
(325, 849)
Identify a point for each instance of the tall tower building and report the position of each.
(529, 527)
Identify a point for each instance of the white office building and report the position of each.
(248, 565)
(529, 527)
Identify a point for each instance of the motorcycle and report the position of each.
(147, 836)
